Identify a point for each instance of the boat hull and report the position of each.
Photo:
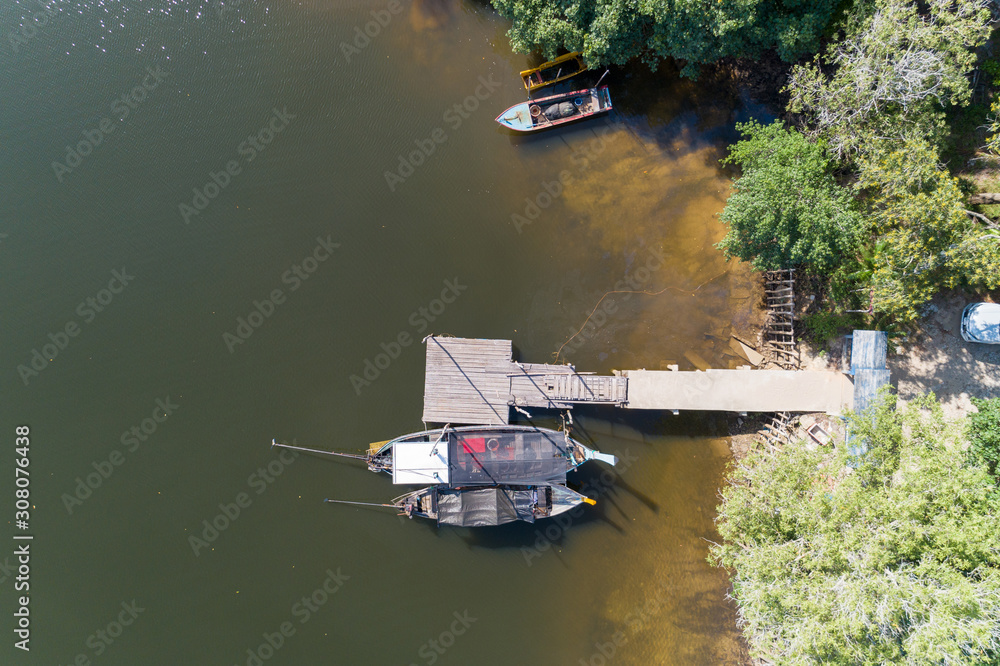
(564, 67)
(555, 110)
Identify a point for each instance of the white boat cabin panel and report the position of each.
(420, 462)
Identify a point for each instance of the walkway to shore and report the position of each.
(740, 390)
(473, 381)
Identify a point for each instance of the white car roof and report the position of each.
(983, 322)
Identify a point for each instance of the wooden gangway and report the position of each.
(567, 387)
(476, 381)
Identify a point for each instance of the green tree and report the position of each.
(786, 208)
(694, 31)
(891, 560)
(993, 129)
(899, 63)
(984, 434)
(927, 237)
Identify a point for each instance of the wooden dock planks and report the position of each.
(473, 381)
(561, 390)
(466, 381)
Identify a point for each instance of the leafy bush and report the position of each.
(893, 559)
(927, 241)
(991, 68)
(824, 326)
(984, 433)
(694, 32)
(786, 209)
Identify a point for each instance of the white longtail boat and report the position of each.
(482, 456)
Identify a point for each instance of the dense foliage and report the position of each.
(927, 239)
(993, 133)
(897, 67)
(891, 560)
(786, 209)
(875, 102)
(693, 31)
(914, 238)
(984, 434)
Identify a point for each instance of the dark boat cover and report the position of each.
(484, 507)
(561, 110)
(518, 458)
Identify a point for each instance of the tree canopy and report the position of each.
(893, 559)
(786, 208)
(875, 102)
(928, 240)
(984, 434)
(897, 66)
(696, 32)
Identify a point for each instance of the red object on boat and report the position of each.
(474, 444)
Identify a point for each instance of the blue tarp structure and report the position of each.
(868, 353)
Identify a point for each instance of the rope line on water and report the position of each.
(629, 291)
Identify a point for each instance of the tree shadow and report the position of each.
(936, 358)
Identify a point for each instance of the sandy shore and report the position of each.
(937, 359)
(933, 358)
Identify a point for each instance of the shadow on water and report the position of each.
(539, 536)
(593, 479)
(652, 423)
(682, 115)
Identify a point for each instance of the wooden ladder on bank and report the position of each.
(779, 324)
(778, 431)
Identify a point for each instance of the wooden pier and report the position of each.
(779, 323)
(473, 381)
(477, 382)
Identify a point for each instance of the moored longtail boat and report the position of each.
(553, 71)
(544, 113)
(489, 506)
(482, 456)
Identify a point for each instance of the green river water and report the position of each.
(125, 295)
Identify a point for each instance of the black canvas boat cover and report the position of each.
(517, 458)
(560, 110)
(484, 507)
